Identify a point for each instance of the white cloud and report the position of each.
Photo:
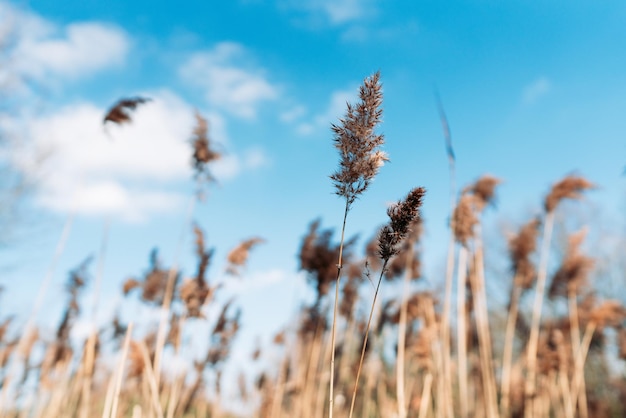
(535, 90)
(83, 49)
(335, 110)
(128, 171)
(343, 10)
(361, 33)
(293, 114)
(229, 80)
(256, 281)
(40, 49)
(333, 12)
(230, 166)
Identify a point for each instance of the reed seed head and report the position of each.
(402, 216)
(319, 257)
(119, 114)
(238, 256)
(484, 190)
(464, 218)
(357, 142)
(610, 313)
(521, 246)
(570, 187)
(203, 151)
(574, 268)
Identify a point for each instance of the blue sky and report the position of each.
(533, 91)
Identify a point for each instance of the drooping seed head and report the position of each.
(570, 187)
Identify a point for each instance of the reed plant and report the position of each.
(415, 351)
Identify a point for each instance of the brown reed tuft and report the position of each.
(129, 285)
(464, 219)
(193, 296)
(521, 246)
(174, 332)
(350, 293)
(119, 329)
(484, 190)
(279, 338)
(357, 142)
(319, 257)
(135, 358)
(574, 268)
(60, 351)
(196, 292)
(312, 321)
(568, 188)
(238, 256)
(222, 335)
(610, 313)
(154, 281)
(204, 256)
(548, 352)
(203, 151)
(402, 216)
(120, 112)
(407, 256)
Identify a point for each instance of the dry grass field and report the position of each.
(351, 353)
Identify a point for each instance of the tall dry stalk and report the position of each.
(90, 348)
(400, 369)
(29, 328)
(463, 222)
(361, 158)
(483, 192)
(203, 155)
(169, 293)
(410, 263)
(401, 216)
(569, 187)
(115, 383)
(520, 248)
(447, 301)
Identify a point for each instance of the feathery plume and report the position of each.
(521, 246)
(402, 216)
(574, 268)
(610, 313)
(319, 257)
(238, 256)
(357, 142)
(484, 190)
(464, 218)
(155, 280)
(397, 265)
(203, 152)
(570, 187)
(129, 285)
(120, 112)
